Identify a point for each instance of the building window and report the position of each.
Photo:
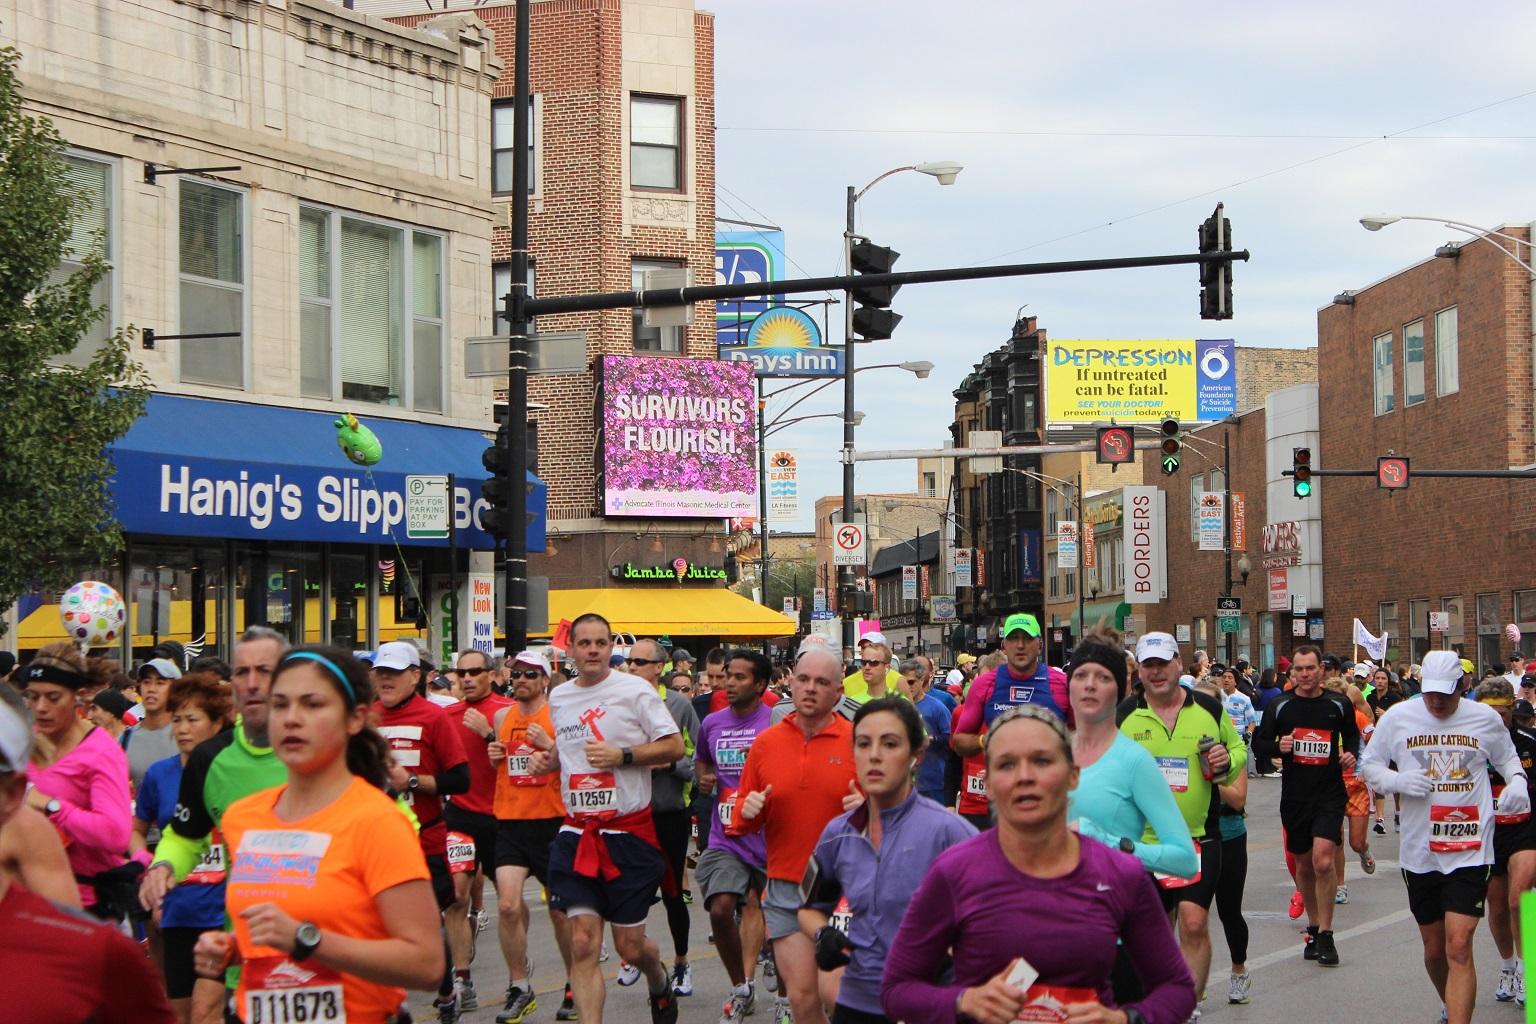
(1071, 575)
(502, 166)
(1052, 511)
(1052, 579)
(930, 485)
(1196, 487)
(653, 339)
(1413, 363)
(1381, 371)
(1489, 636)
(89, 182)
(1452, 605)
(1386, 619)
(501, 284)
(656, 142)
(1447, 353)
(212, 265)
(373, 320)
(1418, 630)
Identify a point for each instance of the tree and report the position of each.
(56, 420)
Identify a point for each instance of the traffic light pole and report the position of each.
(518, 350)
(845, 573)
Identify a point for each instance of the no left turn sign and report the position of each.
(848, 544)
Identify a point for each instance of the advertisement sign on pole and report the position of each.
(1212, 522)
(1279, 590)
(819, 600)
(1146, 550)
(941, 608)
(1066, 544)
(909, 583)
(963, 561)
(1239, 522)
(678, 437)
(783, 485)
(786, 342)
(1090, 547)
(1140, 381)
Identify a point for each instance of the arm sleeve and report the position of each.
(927, 933)
(454, 780)
(191, 819)
(107, 823)
(656, 721)
(1168, 989)
(1174, 851)
(1503, 755)
(390, 854)
(1373, 761)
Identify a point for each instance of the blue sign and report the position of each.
(277, 474)
(1029, 556)
(745, 257)
(1215, 378)
(786, 342)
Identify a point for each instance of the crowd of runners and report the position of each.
(307, 835)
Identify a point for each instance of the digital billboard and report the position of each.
(678, 437)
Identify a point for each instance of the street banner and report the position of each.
(923, 589)
(909, 583)
(1066, 544)
(1239, 521)
(941, 608)
(1279, 590)
(1212, 521)
(1030, 569)
(963, 561)
(1376, 647)
(1140, 381)
(819, 600)
(790, 611)
(1090, 547)
(1146, 547)
(783, 485)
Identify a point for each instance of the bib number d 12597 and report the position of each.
(593, 793)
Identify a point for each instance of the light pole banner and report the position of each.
(909, 583)
(1140, 381)
(1146, 550)
(963, 557)
(1066, 544)
(1212, 520)
(783, 485)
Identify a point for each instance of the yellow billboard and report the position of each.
(1140, 380)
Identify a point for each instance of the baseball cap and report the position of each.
(875, 637)
(1156, 647)
(114, 703)
(964, 659)
(1524, 707)
(1021, 620)
(1467, 667)
(534, 658)
(397, 655)
(678, 654)
(15, 739)
(165, 668)
(1362, 671)
(1440, 672)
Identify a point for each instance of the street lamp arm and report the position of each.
(894, 170)
(1377, 223)
(823, 384)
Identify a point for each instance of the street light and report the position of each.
(856, 418)
(1379, 221)
(945, 171)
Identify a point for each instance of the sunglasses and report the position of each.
(647, 661)
(534, 674)
(872, 661)
(471, 671)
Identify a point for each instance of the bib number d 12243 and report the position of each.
(1454, 828)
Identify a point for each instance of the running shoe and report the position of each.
(1309, 951)
(1298, 905)
(1237, 988)
(1380, 828)
(482, 920)
(688, 897)
(520, 1003)
(567, 1009)
(1397, 822)
(1341, 895)
(464, 992)
(770, 969)
(628, 973)
(782, 1014)
(682, 979)
(602, 953)
(738, 1006)
(1519, 983)
(1445, 1016)
(1367, 862)
(663, 1008)
(447, 1010)
(1506, 990)
(1327, 952)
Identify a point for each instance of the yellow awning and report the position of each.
(671, 612)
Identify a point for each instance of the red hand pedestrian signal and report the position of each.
(1392, 472)
(1116, 446)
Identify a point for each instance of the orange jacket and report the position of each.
(809, 777)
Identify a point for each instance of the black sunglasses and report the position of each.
(532, 674)
(471, 671)
(647, 661)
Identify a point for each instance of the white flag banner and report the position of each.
(1376, 647)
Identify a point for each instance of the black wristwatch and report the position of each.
(1127, 844)
(629, 755)
(305, 939)
(1132, 1015)
(413, 782)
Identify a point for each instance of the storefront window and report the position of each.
(177, 592)
(1266, 641)
(349, 600)
(1489, 639)
(38, 612)
(1245, 640)
(279, 586)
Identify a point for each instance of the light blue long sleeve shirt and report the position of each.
(1119, 795)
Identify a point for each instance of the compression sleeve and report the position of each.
(454, 780)
(1174, 852)
(191, 819)
(106, 822)
(181, 853)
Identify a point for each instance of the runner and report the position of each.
(428, 764)
(971, 786)
(606, 862)
(1024, 678)
(63, 965)
(808, 758)
(1514, 848)
(1314, 733)
(528, 815)
(151, 739)
(732, 869)
(1443, 747)
(471, 814)
(1240, 709)
(1012, 907)
(856, 683)
(1357, 806)
(870, 860)
(1229, 889)
(328, 891)
(937, 718)
(1193, 742)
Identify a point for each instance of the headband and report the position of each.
(35, 673)
(1035, 713)
(335, 670)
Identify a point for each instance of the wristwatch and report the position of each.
(413, 782)
(52, 807)
(629, 755)
(305, 939)
(1127, 844)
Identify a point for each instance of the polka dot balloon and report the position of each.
(93, 614)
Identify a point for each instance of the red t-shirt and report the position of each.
(482, 774)
(424, 741)
(75, 967)
(719, 702)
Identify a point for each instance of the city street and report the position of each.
(1381, 977)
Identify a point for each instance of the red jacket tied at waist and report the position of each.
(592, 857)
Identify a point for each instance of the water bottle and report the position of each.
(1206, 743)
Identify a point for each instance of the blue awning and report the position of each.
(201, 468)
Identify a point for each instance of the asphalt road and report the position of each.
(1381, 977)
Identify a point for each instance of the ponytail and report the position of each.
(368, 757)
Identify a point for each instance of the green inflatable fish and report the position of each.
(359, 443)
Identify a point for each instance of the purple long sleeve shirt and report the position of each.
(978, 904)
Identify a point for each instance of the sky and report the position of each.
(1103, 130)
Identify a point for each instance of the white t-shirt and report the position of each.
(1452, 827)
(623, 711)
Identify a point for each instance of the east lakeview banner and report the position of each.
(1140, 381)
(678, 437)
(783, 485)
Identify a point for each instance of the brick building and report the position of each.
(1435, 363)
(890, 519)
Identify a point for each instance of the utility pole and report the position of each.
(518, 349)
(1226, 525)
(845, 600)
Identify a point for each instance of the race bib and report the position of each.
(1311, 746)
(211, 869)
(518, 770)
(279, 991)
(725, 810)
(1049, 1002)
(976, 785)
(1454, 828)
(461, 853)
(1506, 819)
(1174, 881)
(592, 793)
(842, 915)
(1175, 772)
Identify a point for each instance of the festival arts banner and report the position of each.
(678, 437)
(1140, 381)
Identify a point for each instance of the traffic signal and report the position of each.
(1172, 446)
(872, 317)
(1301, 472)
(1116, 446)
(1216, 278)
(496, 459)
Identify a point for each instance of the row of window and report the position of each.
(1447, 362)
(1487, 645)
(647, 339)
(655, 144)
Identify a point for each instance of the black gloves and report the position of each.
(832, 948)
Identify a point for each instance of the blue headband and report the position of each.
(336, 671)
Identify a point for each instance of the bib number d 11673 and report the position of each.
(279, 991)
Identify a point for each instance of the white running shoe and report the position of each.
(628, 973)
(782, 1014)
(1238, 986)
(602, 953)
(1506, 990)
(1341, 895)
(682, 979)
(737, 1007)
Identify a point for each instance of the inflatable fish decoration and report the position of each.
(359, 443)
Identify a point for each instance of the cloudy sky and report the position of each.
(1109, 129)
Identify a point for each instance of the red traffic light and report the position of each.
(1116, 446)
(1392, 472)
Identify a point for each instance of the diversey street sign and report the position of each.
(848, 544)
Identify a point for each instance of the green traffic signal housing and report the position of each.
(1172, 446)
(1301, 472)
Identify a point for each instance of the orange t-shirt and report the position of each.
(326, 868)
(519, 795)
(809, 777)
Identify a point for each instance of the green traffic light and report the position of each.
(1303, 488)
(1170, 465)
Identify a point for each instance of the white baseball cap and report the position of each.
(874, 638)
(1363, 670)
(397, 655)
(15, 739)
(1156, 646)
(1440, 672)
(165, 668)
(534, 658)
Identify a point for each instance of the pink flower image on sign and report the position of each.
(679, 437)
